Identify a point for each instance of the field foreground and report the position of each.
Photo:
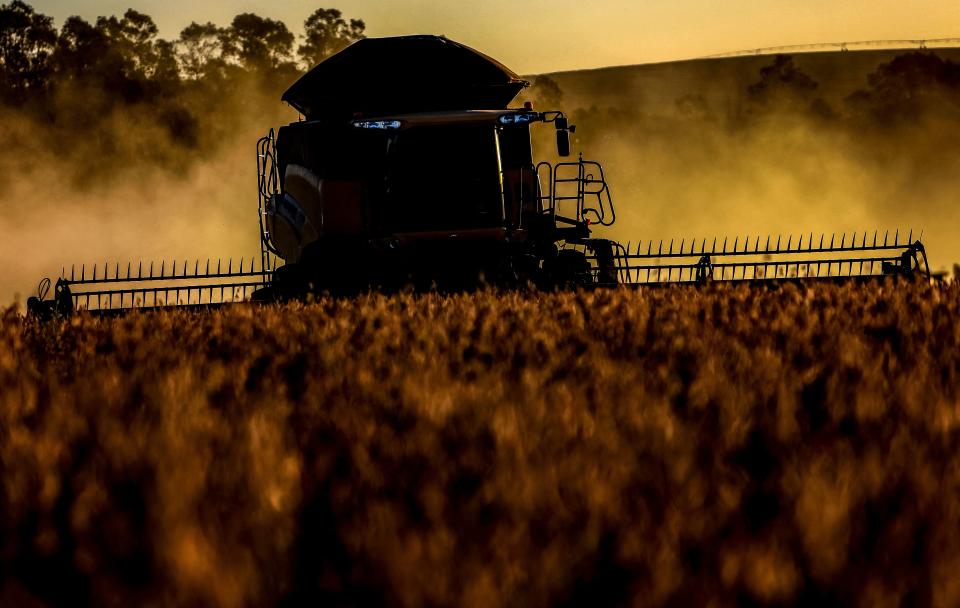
(669, 447)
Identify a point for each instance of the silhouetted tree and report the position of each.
(200, 50)
(130, 40)
(547, 93)
(78, 50)
(119, 55)
(27, 40)
(908, 87)
(257, 43)
(782, 82)
(326, 32)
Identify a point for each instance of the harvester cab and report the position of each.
(408, 167)
(449, 197)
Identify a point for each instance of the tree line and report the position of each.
(101, 99)
(126, 56)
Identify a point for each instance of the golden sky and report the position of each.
(533, 36)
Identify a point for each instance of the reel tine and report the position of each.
(682, 243)
(713, 250)
(790, 243)
(843, 240)
(724, 244)
(736, 243)
(885, 235)
(910, 238)
(896, 238)
(71, 271)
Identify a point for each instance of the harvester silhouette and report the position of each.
(410, 169)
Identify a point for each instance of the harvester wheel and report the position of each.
(288, 283)
(569, 269)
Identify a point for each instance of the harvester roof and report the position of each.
(406, 74)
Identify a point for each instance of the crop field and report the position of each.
(720, 446)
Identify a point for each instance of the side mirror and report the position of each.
(563, 137)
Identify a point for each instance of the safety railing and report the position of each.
(578, 191)
(268, 186)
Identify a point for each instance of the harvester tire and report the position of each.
(569, 269)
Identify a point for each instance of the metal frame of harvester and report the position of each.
(448, 196)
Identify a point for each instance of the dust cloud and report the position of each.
(763, 147)
(121, 146)
(208, 211)
(834, 143)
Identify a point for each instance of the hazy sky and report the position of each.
(548, 35)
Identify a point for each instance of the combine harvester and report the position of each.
(410, 170)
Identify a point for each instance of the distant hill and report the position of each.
(651, 86)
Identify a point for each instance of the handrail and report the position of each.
(268, 185)
(548, 197)
(589, 174)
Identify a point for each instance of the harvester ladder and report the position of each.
(268, 186)
(584, 184)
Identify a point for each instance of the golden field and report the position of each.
(719, 446)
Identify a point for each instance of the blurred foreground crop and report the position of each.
(676, 446)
